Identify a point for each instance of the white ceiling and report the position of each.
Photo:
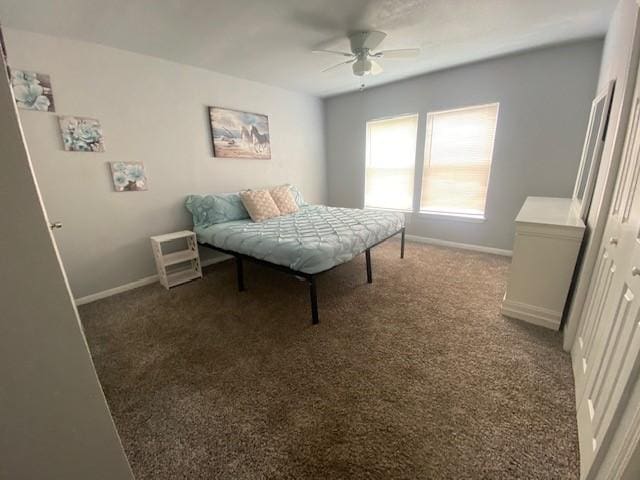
(270, 41)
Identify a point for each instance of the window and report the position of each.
(391, 158)
(457, 160)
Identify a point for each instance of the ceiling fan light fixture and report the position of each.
(361, 67)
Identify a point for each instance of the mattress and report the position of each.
(312, 240)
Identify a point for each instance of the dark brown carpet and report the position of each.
(415, 376)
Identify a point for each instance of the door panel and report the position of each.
(628, 158)
(610, 369)
(614, 368)
(606, 352)
(583, 349)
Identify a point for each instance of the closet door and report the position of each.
(607, 347)
(588, 343)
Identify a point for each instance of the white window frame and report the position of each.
(466, 217)
(411, 209)
(419, 164)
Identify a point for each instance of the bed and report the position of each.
(307, 243)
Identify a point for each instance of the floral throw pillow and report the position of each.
(259, 204)
(284, 199)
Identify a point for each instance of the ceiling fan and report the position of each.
(362, 57)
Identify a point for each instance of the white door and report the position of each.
(605, 353)
(54, 420)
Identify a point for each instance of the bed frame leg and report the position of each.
(314, 300)
(367, 254)
(402, 244)
(240, 274)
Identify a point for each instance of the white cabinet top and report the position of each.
(167, 237)
(550, 211)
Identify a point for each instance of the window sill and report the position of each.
(399, 210)
(456, 217)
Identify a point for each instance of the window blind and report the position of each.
(457, 160)
(390, 162)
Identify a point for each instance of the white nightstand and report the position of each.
(180, 266)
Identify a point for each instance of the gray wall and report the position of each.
(54, 420)
(545, 96)
(152, 111)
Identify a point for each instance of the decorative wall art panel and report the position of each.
(32, 90)
(128, 176)
(238, 134)
(81, 134)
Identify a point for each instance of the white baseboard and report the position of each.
(154, 278)
(463, 246)
(542, 317)
(138, 283)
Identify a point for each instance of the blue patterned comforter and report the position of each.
(311, 240)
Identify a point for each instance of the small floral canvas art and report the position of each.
(32, 90)
(80, 134)
(128, 176)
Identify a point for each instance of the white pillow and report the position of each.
(259, 204)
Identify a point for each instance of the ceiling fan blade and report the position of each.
(373, 39)
(339, 65)
(334, 52)
(376, 69)
(399, 53)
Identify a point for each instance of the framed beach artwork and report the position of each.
(81, 134)
(237, 134)
(32, 90)
(128, 176)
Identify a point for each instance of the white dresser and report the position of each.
(546, 246)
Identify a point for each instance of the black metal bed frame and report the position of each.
(309, 277)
